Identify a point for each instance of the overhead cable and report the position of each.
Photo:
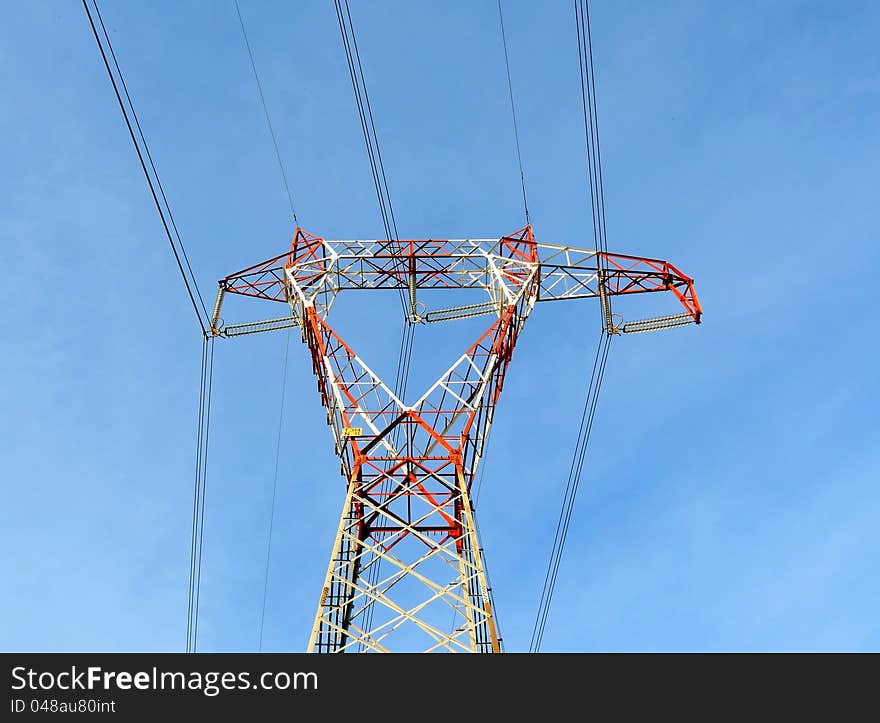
(597, 208)
(142, 149)
(570, 492)
(274, 490)
(199, 494)
(247, 44)
(522, 176)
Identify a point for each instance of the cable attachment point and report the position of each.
(418, 313)
(614, 327)
(216, 329)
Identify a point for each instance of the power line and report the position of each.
(177, 246)
(154, 182)
(585, 13)
(570, 492)
(369, 107)
(368, 127)
(199, 494)
(597, 207)
(522, 176)
(274, 489)
(266, 111)
(196, 496)
(204, 490)
(591, 123)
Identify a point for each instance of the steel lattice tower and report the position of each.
(406, 570)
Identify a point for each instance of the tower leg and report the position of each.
(330, 632)
(406, 570)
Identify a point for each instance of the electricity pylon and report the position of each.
(406, 570)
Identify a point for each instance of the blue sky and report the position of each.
(731, 497)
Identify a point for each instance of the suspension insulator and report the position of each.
(657, 323)
(256, 327)
(461, 312)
